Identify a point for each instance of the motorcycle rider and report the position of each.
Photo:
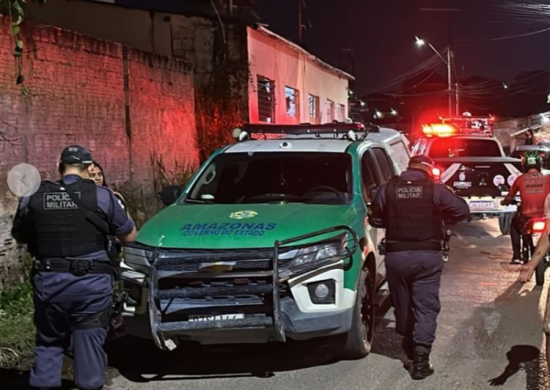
(533, 187)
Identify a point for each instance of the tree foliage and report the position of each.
(15, 10)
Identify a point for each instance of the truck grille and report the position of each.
(189, 284)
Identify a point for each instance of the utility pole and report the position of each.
(450, 60)
(449, 80)
(300, 21)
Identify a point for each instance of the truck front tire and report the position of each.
(357, 343)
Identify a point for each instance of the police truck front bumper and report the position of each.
(235, 296)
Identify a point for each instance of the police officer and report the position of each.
(63, 226)
(413, 208)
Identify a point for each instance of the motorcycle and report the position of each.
(530, 231)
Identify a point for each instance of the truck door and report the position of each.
(377, 168)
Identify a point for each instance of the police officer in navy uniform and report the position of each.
(72, 277)
(413, 209)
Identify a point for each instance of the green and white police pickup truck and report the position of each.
(269, 241)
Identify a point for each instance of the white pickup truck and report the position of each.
(477, 169)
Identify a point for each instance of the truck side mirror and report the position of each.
(170, 194)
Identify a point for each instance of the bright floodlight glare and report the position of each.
(420, 42)
(393, 112)
(379, 114)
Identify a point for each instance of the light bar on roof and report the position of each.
(301, 129)
(439, 130)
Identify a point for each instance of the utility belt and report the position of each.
(399, 246)
(77, 267)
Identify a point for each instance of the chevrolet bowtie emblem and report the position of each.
(219, 266)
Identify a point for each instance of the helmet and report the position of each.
(532, 160)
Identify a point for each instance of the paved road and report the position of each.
(489, 331)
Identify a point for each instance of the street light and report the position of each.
(421, 42)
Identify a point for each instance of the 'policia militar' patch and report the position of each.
(59, 201)
(409, 192)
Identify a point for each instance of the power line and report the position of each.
(482, 42)
(430, 64)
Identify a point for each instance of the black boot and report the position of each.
(421, 366)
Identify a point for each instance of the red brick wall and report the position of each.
(162, 112)
(77, 95)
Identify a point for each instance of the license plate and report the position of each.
(221, 317)
(482, 205)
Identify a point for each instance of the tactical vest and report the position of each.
(413, 220)
(61, 229)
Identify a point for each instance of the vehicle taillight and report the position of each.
(539, 227)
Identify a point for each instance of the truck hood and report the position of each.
(215, 226)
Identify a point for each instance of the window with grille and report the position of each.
(266, 99)
(330, 111)
(341, 112)
(292, 102)
(313, 108)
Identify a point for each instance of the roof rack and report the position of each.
(350, 131)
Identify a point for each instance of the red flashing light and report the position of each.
(439, 130)
(436, 172)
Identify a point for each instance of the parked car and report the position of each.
(269, 241)
(544, 152)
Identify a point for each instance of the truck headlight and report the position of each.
(138, 258)
(313, 255)
(316, 253)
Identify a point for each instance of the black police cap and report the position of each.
(76, 154)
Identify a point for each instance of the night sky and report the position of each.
(382, 34)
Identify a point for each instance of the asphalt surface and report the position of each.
(489, 336)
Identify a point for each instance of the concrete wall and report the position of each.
(190, 39)
(286, 66)
(77, 94)
(131, 27)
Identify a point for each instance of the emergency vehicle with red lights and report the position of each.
(468, 124)
(474, 165)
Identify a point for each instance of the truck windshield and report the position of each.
(237, 178)
(456, 147)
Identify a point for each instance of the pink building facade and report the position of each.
(288, 85)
